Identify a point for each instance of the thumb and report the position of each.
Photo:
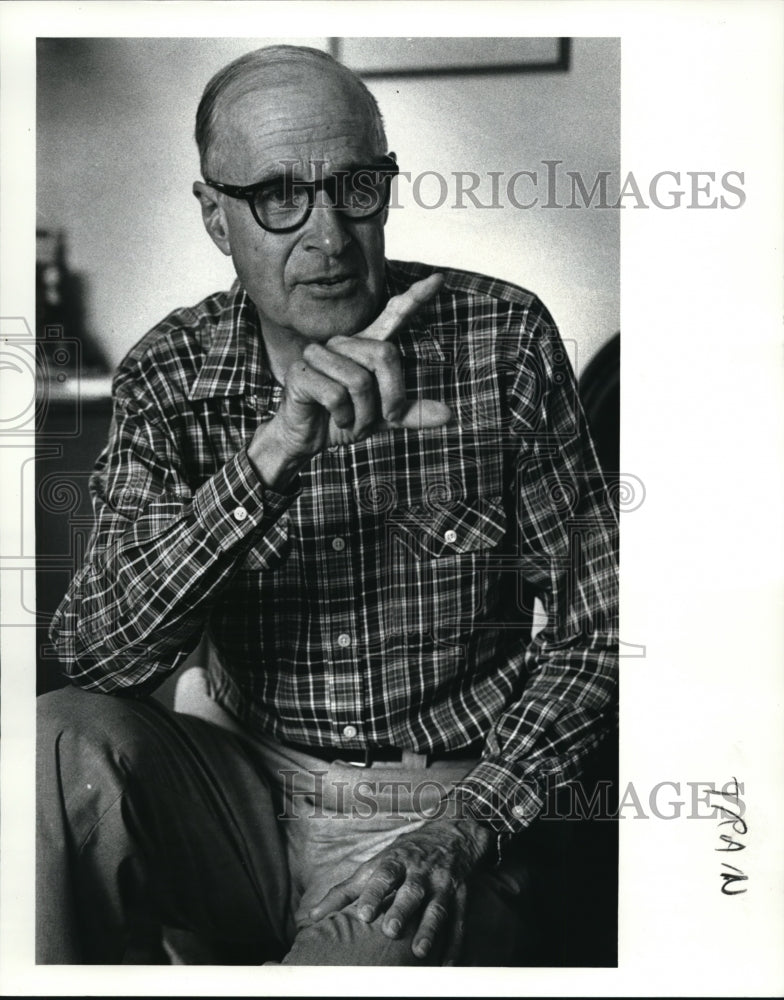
(424, 413)
(421, 414)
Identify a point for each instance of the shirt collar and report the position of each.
(236, 361)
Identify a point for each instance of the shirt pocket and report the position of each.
(441, 573)
(459, 528)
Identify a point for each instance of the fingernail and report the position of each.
(394, 927)
(422, 947)
(366, 914)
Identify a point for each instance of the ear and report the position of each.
(213, 216)
(385, 215)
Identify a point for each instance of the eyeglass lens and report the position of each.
(358, 194)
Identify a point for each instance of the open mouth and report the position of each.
(334, 280)
(336, 285)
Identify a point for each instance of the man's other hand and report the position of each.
(420, 880)
(344, 390)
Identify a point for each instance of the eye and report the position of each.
(363, 190)
(280, 197)
(275, 193)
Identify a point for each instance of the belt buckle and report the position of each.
(366, 761)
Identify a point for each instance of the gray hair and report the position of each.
(244, 71)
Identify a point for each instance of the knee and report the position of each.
(57, 712)
(78, 728)
(71, 709)
(343, 939)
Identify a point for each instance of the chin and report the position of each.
(337, 319)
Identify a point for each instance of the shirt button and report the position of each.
(349, 732)
(450, 536)
(518, 811)
(338, 544)
(344, 639)
(239, 514)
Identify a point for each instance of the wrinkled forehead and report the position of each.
(304, 114)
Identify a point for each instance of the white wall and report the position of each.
(116, 160)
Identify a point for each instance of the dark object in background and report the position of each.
(590, 881)
(60, 302)
(600, 392)
(73, 410)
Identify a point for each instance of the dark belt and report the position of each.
(366, 757)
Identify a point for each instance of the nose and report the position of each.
(326, 229)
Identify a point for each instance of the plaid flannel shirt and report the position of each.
(381, 600)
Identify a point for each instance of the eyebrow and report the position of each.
(271, 175)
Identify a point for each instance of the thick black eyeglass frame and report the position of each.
(386, 165)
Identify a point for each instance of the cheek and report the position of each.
(257, 256)
(260, 266)
(372, 245)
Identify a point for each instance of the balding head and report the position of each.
(288, 112)
(268, 69)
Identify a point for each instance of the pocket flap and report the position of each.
(460, 527)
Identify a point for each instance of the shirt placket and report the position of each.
(339, 570)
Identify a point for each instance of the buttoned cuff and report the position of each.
(499, 799)
(234, 503)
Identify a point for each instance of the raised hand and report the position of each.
(344, 390)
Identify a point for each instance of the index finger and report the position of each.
(402, 307)
(386, 877)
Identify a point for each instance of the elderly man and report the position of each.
(345, 470)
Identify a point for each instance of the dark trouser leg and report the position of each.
(145, 818)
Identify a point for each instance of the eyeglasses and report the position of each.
(284, 204)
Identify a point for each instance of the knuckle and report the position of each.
(397, 304)
(335, 396)
(413, 890)
(388, 353)
(361, 382)
(438, 912)
(445, 879)
(385, 877)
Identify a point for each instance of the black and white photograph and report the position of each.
(329, 495)
(356, 611)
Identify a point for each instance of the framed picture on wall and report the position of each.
(375, 57)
